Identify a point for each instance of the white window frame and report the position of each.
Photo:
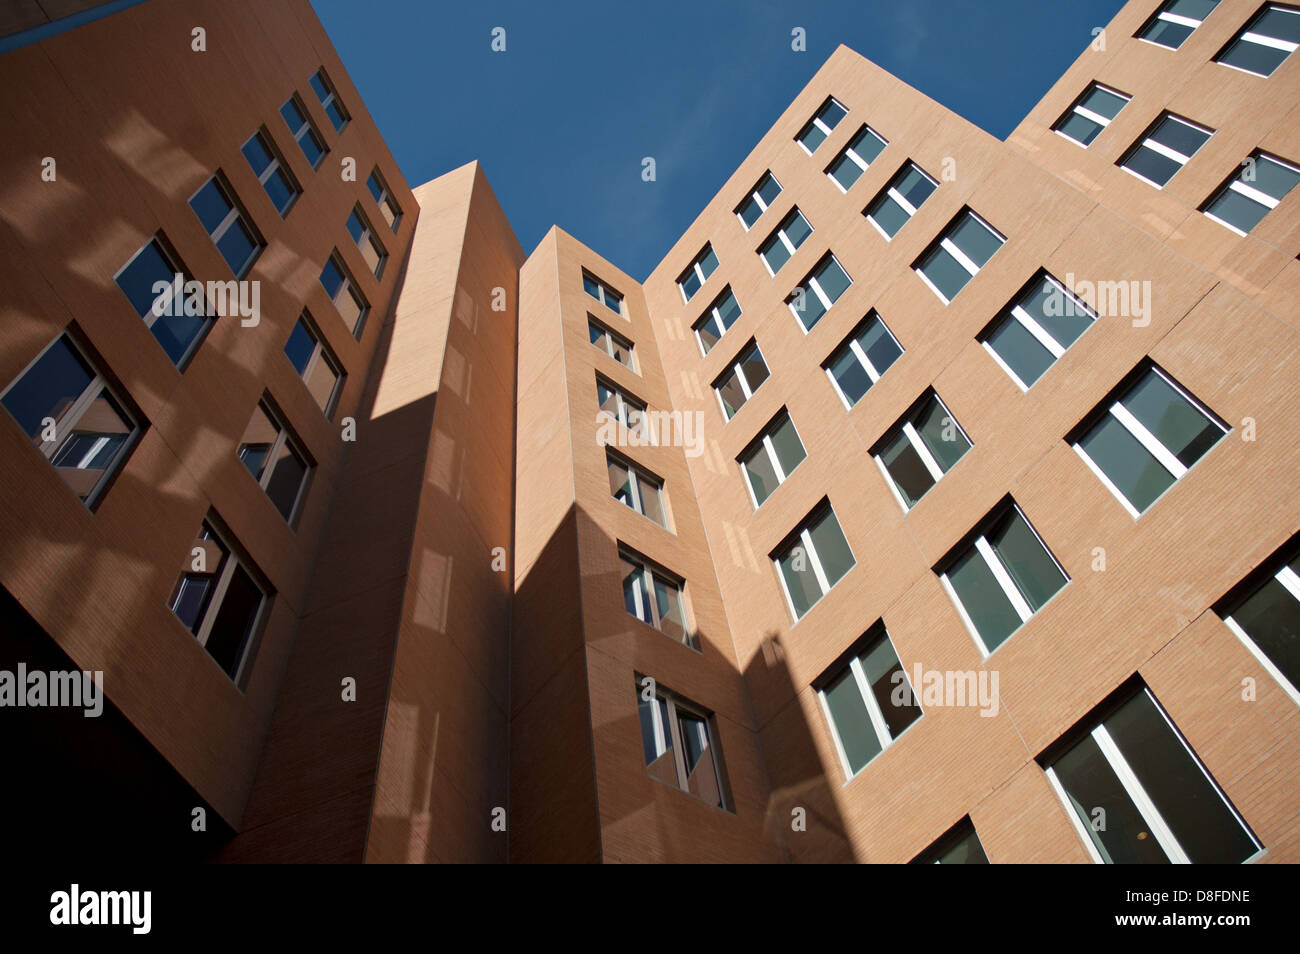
(275, 165)
(320, 353)
(282, 438)
(851, 153)
(368, 234)
(1003, 577)
(333, 97)
(624, 404)
(892, 192)
(1288, 578)
(610, 339)
(1163, 14)
(177, 300)
(1250, 192)
(697, 266)
(65, 425)
(1134, 789)
(220, 585)
(908, 430)
(820, 123)
(813, 285)
(780, 235)
(308, 128)
(737, 369)
(1161, 148)
(804, 539)
(757, 199)
(385, 197)
(347, 287)
(714, 313)
(874, 712)
(1260, 39)
(1149, 441)
(236, 214)
(605, 293)
(1039, 333)
(635, 476)
(650, 573)
(949, 246)
(765, 443)
(672, 702)
(1087, 113)
(855, 348)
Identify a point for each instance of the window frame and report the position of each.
(811, 283)
(850, 152)
(890, 191)
(308, 128)
(779, 235)
(801, 536)
(606, 291)
(1140, 433)
(177, 300)
(347, 286)
(369, 234)
(977, 540)
(637, 475)
(332, 97)
(673, 702)
(820, 124)
(1243, 592)
(854, 347)
(321, 351)
(697, 269)
(714, 313)
(1146, 141)
(945, 242)
(1246, 35)
(1017, 312)
(65, 425)
(385, 197)
(283, 437)
(756, 197)
(1257, 196)
(906, 427)
(1088, 114)
(625, 403)
(277, 164)
(736, 368)
(875, 635)
(1169, 17)
(237, 214)
(613, 340)
(764, 442)
(652, 572)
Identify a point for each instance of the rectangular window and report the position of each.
(1265, 42)
(280, 185)
(602, 293)
(859, 362)
(758, 201)
(715, 322)
(860, 153)
(1175, 21)
(868, 701)
(1264, 613)
(614, 345)
(1257, 188)
(71, 414)
(176, 323)
(655, 597)
(1090, 114)
(690, 281)
(742, 378)
(227, 224)
(679, 740)
(920, 449)
(342, 289)
(812, 560)
(1146, 439)
(303, 131)
(899, 201)
(329, 99)
(275, 462)
(1036, 329)
(221, 601)
(315, 364)
(815, 295)
(958, 846)
(1160, 804)
(819, 127)
(372, 250)
(388, 206)
(618, 404)
(1002, 577)
(771, 458)
(964, 248)
(1164, 149)
(782, 243)
(636, 488)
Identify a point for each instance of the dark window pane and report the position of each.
(1128, 465)
(1254, 57)
(1113, 822)
(709, 333)
(812, 137)
(789, 449)
(312, 147)
(966, 851)
(331, 277)
(1179, 136)
(975, 240)
(701, 779)
(796, 567)
(1031, 567)
(356, 228)
(774, 251)
(210, 205)
(1271, 618)
(1167, 33)
(1201, 823)
(888, 214)
(879, 346)
(1273, 178)
(1152, 165)
(376, 189)
(1194, 9)
(293, 116)
(982, 598)
(754, 369)
(728, 310)
(906, 468)
(234, 622)
(845, 171)
(797, 229)
(942, 437)
(299, 347)
(867, 145)
(258, 156)
(832, 279)
(49, 387)
(887, 680)
(768, 190)
(750, 212)
(1057, 312)
(286, 480)
(137, 280)
(1175, 421)
(832, 549)
(1279, 24)
(237, 247)
(945, 273)
(1103, 102)
(191, 598)
(914, 187)
(850, 376)
(852, 723)
(1022, 352)
(1236, 209)
(762, 475)
(280, 190)
(1080, 128)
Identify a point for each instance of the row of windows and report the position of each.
(1169, 144)
(1260, 47)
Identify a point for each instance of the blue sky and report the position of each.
(585, 89)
